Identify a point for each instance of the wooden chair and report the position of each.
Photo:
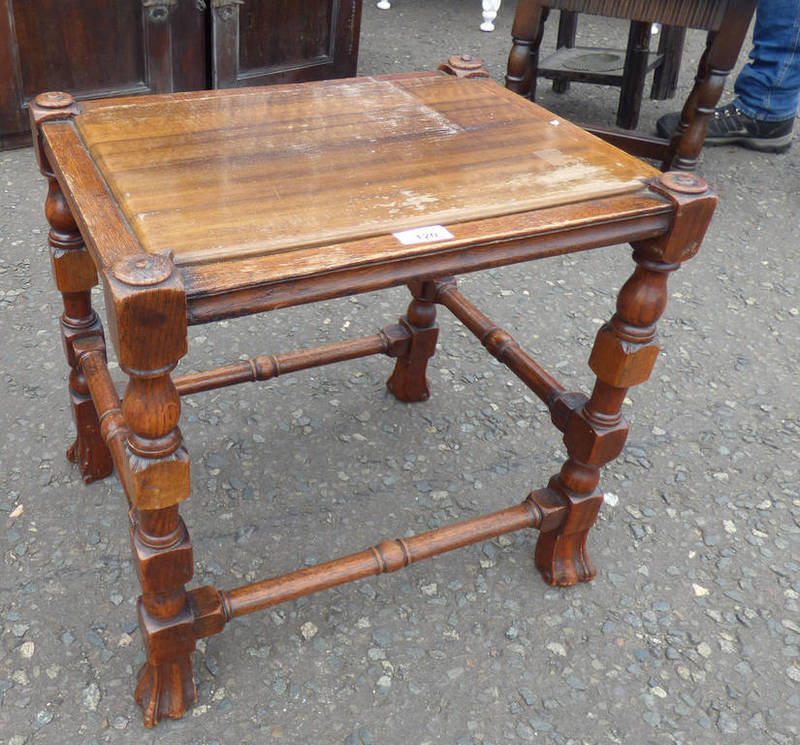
(727, 22)
(192, 208)
(624, 68)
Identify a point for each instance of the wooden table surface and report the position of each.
(280, 169)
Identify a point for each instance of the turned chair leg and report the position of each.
(634, 74)
(523, 59)
(594, 433)
(75, 275)
(408, 381)
(567, 32)
(715, 64)
(665, 78)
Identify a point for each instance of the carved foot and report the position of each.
(408, 382)
(562, 559)
(165, 690)
(89, 451)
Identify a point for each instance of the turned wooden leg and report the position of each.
(148, 328)
(665, 78)
(595, 432)
(75, 275)
(163, 554)
(567, 31)
(634, 74)
(717, 61)
(408, 381)
(523, 59)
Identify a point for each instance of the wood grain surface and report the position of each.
(214, 176)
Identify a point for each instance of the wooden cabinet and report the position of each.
(281, 41)
(98, 48)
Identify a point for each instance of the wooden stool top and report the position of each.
(256, 186)
(280, 169)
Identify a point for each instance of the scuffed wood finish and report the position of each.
(251, 285)
(148, 195)
(314, 165)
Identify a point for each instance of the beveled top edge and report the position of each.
(484, 235)
(106, 232)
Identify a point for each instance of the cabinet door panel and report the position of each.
(94, 48)
(78, 45)
(269, 41)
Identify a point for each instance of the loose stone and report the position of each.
(91, 697)
(308, 630)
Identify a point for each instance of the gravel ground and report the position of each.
(690, 633)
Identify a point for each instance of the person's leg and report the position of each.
(768, 87)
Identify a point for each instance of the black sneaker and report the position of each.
(730, 126)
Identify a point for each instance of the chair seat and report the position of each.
(282, 170)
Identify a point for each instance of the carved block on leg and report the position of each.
(594, 434)
(166, 684)
(408, 381)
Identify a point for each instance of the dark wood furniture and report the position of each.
(96, 48)
(256, 199)
(626, 69)
(727, 22)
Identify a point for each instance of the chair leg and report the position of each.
(75, 275)
(665, 77)
(623, 355)
(567, 31)
(716, 63)
(523, 60)
(634, 74)
(408, 381)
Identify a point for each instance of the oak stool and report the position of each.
(190, 208)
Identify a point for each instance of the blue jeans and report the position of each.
(768, 87)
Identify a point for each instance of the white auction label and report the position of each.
(427, 234)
